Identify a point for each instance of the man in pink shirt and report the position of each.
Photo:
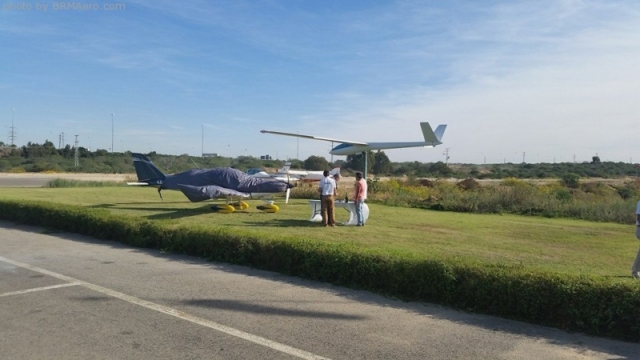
(360, 197)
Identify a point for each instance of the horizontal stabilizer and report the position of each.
(138, 184)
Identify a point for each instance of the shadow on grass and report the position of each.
(167, 212)
(283, 223)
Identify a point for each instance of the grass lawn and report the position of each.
(558, 245)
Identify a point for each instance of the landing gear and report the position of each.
(223, 209)
(240, 205)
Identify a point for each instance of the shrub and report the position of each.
(570, 180)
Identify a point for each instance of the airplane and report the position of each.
(346, 147)
(286, 174)
(204, 184)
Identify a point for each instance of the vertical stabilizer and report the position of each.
(146, 170)
(430, 137)
(440, 131)
(285, 168)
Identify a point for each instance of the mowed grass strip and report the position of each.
(540, 244)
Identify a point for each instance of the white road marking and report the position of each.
(173, 312)
(39, 289)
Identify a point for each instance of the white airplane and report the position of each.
(346, 147)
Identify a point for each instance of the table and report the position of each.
(316, 211)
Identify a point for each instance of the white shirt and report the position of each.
(327, 185)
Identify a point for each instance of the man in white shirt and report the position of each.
(635, 268)
(327, 189)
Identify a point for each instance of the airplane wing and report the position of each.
(201, 193)
(313, 137)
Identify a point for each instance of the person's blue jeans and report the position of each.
(359, 214)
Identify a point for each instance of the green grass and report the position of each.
(557, 245)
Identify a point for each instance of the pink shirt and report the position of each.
(361, 190)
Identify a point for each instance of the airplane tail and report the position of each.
(285, 168)
(440, 132)
(146, 170)
(336, 170)
(430, 136)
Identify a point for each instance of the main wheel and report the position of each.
(223, 209)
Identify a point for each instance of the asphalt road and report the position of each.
(64, 296)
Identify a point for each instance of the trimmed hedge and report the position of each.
(587, 304)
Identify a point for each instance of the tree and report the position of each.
(382, 164)
(356, 162)
(440, 169)
(316, 163)
(595, 160)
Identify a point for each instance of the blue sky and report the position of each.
(555, 80)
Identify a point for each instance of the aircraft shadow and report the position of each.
(246, 307)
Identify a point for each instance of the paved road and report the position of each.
(68, 296)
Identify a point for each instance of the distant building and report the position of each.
(265, 157)
(209, 154)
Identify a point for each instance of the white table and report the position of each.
(316, 211)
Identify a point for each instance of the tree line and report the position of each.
(35, 157)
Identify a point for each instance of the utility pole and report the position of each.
(446, 156)
(12, 132)
(523, 157)
(332, 154)
(76, 160)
